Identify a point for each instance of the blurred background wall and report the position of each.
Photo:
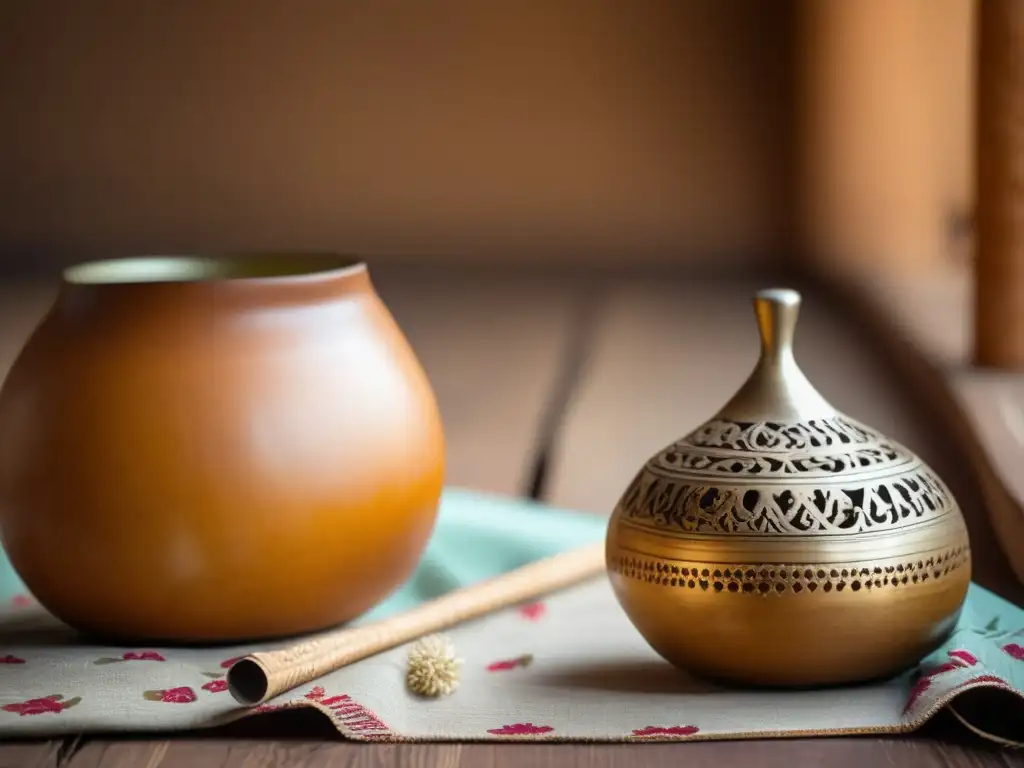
(884, 133)
(687, 132)
(648, 130)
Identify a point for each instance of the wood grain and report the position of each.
(491, 342)
(35, 754)
(999, 215)
(908, 752)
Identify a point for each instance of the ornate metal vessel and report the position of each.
(783, 543)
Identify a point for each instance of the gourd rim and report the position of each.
(235, 268)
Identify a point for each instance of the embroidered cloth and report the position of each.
(570, 667)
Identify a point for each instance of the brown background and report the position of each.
(662, 130)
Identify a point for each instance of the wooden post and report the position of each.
(999, 152)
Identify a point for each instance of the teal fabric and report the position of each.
(481, 535)
(10, 584)
(477, 536)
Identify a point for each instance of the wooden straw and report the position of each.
(262, 676)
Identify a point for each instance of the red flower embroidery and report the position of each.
(11, 660)
(349, 713)
(520, 729)
(507, 664)
(143, 656)
(182, 695)
(227, 663)
(216, 686)
(532, 611)
(948, 666)
(675, 730)
(966, 657)
(1015, 651)
(982, 679)
(131, 656)
(21, 601)
(922, 685)
(41, 706)
(960, 659)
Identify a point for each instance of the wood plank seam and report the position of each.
(582, 335)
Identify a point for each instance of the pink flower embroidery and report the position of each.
(675, 730)
(131, 656)
(216, 686)
(11, 660)
(227, 663)
(966, 657)
(182, 695)
(1015, 651)
(21, 601)
(982, 679)
(316, 693)
(507, 664)
(959, 659)
(922, 685)
(521, 729)
(349, 713)
(41, 706)
(532, 611)
(143, 656)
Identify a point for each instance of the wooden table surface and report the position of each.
(561, 385)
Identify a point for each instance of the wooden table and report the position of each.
(560, 385)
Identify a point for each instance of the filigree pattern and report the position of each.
(768, 436)
(677, 459)
(789, 578)
(840, 508)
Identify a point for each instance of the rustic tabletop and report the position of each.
(559, 386)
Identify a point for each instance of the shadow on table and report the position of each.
(653, 677)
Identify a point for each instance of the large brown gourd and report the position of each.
(216, 450)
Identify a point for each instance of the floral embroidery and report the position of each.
(922, 685)
(520, 661)
(1015, 651)
(132, 656)
(182, 695)
(11, 660)
(981, 679)
(227, 663)
(965, 656)
(532, 611)
(353, 716)
(54, 704)
(959, 659)
(675, 730)
(520, 729)
(216, 686)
